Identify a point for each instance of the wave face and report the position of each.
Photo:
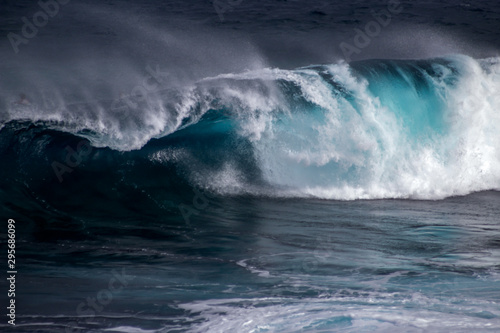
(424, 129)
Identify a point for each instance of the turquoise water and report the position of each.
(172, 168)
(337, 203)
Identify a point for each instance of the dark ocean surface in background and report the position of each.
(191, 166)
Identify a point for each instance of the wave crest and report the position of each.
(375, 129)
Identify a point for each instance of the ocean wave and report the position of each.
(420, 129)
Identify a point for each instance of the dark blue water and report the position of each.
(230, 167)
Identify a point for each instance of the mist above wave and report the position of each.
(377, 129)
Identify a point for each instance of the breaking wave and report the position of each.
(421, 129)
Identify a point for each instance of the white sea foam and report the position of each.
(311, 137)
(366, 151)
(380, 312)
